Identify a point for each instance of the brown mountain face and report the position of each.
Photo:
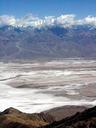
(60, 113)
(12, 118)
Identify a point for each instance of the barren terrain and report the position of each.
(36, 86)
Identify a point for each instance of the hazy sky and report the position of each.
(41, 8)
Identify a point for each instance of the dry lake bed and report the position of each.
(36, 86)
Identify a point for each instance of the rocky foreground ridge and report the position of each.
(13, 118)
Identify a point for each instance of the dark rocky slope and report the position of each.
(85, 119)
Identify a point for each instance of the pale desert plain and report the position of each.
(37, 86)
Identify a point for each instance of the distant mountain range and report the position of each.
(47, 42)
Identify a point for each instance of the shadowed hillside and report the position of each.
(85, 119)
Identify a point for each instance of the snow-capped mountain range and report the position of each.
(67, 20)
(50, 37)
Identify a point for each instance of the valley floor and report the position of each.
(41, 85)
